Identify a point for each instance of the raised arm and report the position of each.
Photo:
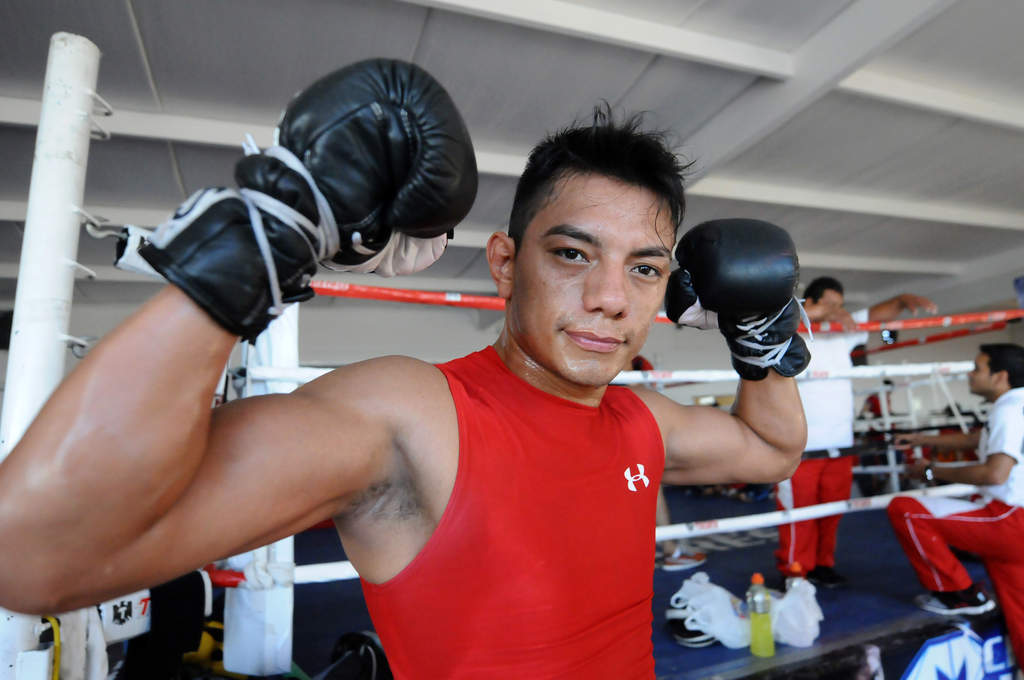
(745, 271)
(887, 310)
(760, 441)
(126, 478)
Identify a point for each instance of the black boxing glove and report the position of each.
(739, 275)
(371, 168)
(769, 341)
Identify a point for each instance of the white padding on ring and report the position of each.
(323, 573)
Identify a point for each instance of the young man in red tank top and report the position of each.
(397, 450)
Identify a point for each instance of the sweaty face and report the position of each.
(589, 278)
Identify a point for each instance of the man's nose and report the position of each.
(605, 290)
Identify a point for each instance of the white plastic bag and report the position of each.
(796, 616)
(713, 610)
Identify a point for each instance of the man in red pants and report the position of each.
(828, 406)
(991, 528)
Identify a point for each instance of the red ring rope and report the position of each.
(937, 337)
(424, 297)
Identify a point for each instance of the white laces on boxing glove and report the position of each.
(402, 254)
(254, 201)
(754, 328)
(321, 238)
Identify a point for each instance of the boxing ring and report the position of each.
(257, 374)
(910, 376)
(260, 585)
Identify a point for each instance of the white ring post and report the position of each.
(258, 619)
(42, 303)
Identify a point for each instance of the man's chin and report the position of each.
(591, 373)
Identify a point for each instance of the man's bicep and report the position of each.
(702, 443)
(274, 466)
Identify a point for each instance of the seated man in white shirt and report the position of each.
(992, 528)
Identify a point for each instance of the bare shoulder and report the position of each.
(392, 386)
(408, 397)
(667, 413)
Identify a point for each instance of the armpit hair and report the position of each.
(388, 500)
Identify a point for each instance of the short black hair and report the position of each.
(1006, 356)
(816, 288)
(618, 149)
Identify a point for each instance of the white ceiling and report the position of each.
(886, 137)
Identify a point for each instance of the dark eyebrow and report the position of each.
(657, 251)
(573, 232)
(581, 235)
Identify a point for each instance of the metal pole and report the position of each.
(42, 303)
(890, 455)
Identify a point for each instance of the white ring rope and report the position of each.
(771, 519)
(899, 467)
(305, 374)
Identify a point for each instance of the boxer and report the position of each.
(466, 494)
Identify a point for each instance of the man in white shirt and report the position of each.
(828, 406)
(992, 527)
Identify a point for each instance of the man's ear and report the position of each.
(501, 259)
(1002, 377)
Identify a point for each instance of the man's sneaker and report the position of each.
(679, 560)
(826, 577)
(675, 620)
(967, 602)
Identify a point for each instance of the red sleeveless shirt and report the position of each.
(542, 564)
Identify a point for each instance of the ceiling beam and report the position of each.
(1006, 113)
(15, 211)
(866, 82)
(475, 235)
(714, 186)
(861, 31)
(611, 28)
(980, 278)
(944, 212)
(109, 273)
(553, 16)
(192, 130)
(898, 265)
(149, 125)
(469, 235)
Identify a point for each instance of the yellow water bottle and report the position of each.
(759, 603)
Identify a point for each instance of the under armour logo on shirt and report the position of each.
(632, 479)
